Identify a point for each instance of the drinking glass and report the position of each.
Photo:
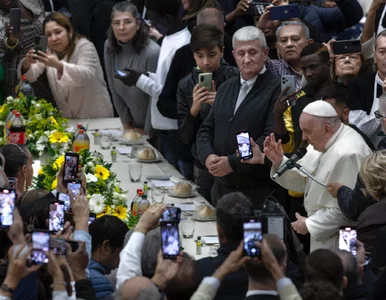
(157, 195)
(135, 172)
(105, 141)
(187, 227)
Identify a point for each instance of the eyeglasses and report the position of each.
(124, 22)
(378, 115)
(351, 57)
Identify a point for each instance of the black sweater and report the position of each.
(189, 125)
(217, 134)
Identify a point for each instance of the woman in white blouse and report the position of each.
(73, 70)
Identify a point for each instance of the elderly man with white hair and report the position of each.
(243, 103)
(335, 153)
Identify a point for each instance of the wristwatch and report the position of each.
(6, 288)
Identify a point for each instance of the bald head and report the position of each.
(211, 16)
(138, 288)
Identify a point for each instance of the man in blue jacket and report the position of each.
(108, 234)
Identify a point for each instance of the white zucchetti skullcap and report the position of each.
(320, 108)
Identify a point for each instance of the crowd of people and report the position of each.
(233, 93)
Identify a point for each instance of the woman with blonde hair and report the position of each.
(373, 176)
(73, 70)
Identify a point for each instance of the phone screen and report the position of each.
(58, 246)
(244, 145)
(56, 217)
(170, 240)
(171, 214)
(7, 205)
(348, 239)
(120, 73)
(71, 162)
(74, 188)
(62, 197)
(40, 244)
(276, 226)
(252, 234)
(91, 218)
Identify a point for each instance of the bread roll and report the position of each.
(146, 154)
(205, 211)
(132, 136)
(182, 188)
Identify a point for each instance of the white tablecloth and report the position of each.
(160, 168)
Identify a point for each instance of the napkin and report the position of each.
(124, 150)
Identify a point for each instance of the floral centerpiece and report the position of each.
(47, 132)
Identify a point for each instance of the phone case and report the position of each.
(284, 12)
(205, 80)
(288, 80)
(346, 47)
(40, 43)
(14, 19)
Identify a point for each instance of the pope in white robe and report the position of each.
(335, 153)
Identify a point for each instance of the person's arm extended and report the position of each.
(347, 14)
(369, 26)
(148, 85)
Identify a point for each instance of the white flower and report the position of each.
(97, 203)
(90, 164)
(41, 143)
(91, 178)
(9, 98)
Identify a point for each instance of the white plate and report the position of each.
(148, 161)
(171, 193)
(132, 142)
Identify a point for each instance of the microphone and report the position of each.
(290, 163)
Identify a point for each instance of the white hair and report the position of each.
(289, 23)
(247, 34)
(382, 104)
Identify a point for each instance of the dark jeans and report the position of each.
(204, 181)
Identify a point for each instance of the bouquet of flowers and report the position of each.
(47, 134)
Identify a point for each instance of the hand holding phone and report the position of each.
(7, 205)
(171, 214)
(40, 246)
(40, 44)
(252, 233)
(120, 73)
(205, 80)
(348, 239)
(56, 217)
(170, 240)
(70, 170)
(14, 20)
(74, 188)
(284, 12)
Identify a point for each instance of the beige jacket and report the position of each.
(81, 90)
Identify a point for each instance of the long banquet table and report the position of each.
(121, 168)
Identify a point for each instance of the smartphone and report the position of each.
(288, 80)
(275, 225)
(40, 43)
(91, 218)
(348, 239)
(284, 12)
(171, 214)
(120, 73)
(62, 197)
(40, 245)
(244, 145)
(14, 19)
(205, 80)
(346, 47)
(56, 217)
(252, 233)
(70, 170)
(256, 8)
(74, 187)
(7, 205)
(59, 247)
(170, 240)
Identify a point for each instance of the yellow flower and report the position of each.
(53, 121)
(121, 212)
(54, 184)
(101, 172)
(58, 137)
(40, 172)
(3, 108)
(107, 211)
(58, 163)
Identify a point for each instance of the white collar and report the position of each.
(252, 81)
(378, 79)
(262, 292)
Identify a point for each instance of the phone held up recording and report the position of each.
(170, 237)
(7, 205)
(244, 145)
(252, 233)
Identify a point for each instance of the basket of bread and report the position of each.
(205, 212)
(132, 137)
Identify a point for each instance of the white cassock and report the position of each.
(340, 162)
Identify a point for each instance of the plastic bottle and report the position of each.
(81, 142)
(135, 202)
(198, 246)
(145, 188)
(143, 205)
(17, 131)
(9, 116)
(78, 126)
(26, 88)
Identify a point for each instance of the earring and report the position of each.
(25, 184)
